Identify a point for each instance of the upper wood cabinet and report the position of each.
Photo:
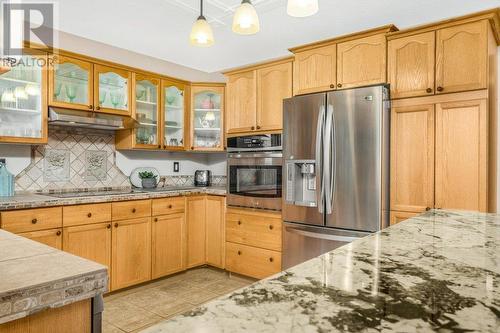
(146, 111)
(361, 62)
(23, 95)
(315, 70)
(71, 83)
(112, 90)
(255, 97)
(412, 158)
(462, 57)
(274, 83)
(462, 155)
(411, 65)
(241, 114)
(207, 117)
(174, 114)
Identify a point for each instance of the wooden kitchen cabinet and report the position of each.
(252, 261)
(174, 115)
(462, 57)
(92, 241)
(52, 237)
(274, 83)
(168, 244)
(131, 252)
(462, 155)
(130, 209)
(315, 70)
(27, 220)
(241, 100)
(412, 169)
(396, 217)
(196, 231)
(112, 90)
(215, 231)
(411, 62)
(86, 214)
(361, 62)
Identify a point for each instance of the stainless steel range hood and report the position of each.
(89, 119)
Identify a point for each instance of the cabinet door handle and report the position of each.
(440, 89)
(428, 90)
(159, 146)
(156, 219)
(332, 86)
(116, 225)
(34, 221)
(164, 147)
(58, 233)
(271, 227)
(108, 226)
(258, 127)
(239, 253)
(427, 209)
(253, 128)
(339, 85)
(170, 206)
(271, 259)
(89, 215)
(239, 222)
(91, 106)
(98, 107)
(133, 210)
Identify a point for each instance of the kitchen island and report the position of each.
(43, 289)
(439, 271)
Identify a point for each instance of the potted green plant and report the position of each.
(148, 179)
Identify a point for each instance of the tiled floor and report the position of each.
(135, 309)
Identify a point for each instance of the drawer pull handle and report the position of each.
(133, 210)
(34, 221)
(169, 206)
(271, 227)
(58, 233)
(427, 208)
(239, 253)
(108, 226)
(440, 89)
(428, 90)
(90, 107)
(156, 219)
(239, 222)
(271, 259)
(89, 215)
(116, 225)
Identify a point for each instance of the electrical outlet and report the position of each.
(176, 166)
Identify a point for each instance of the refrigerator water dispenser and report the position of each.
(301, 183)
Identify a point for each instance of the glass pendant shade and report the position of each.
(201, 33)
(302, 8)
(246, 21)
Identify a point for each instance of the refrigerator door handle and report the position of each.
(320, 129)
(333, 147)
(327, 171)
(331, 237)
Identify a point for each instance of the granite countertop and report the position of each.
(439, 272)
(32, 200)
(34, 276)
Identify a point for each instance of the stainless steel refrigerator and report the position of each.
(336, 165)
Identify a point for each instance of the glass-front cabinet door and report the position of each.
(112, 90)
(147, 112)
(174, 114)
(70, 83)
(207, 117)
(23, 100)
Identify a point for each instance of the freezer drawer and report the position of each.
(301, 243)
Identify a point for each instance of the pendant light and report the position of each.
(245, 20)
(302, 8)
(201, 33)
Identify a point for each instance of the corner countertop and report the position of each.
(439, 271)
(33, 200)
(34, 276)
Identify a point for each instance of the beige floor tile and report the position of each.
(169, 309)
(201, 296)
(148, 297)
(108, 328)
(126, 316)
(223, 287)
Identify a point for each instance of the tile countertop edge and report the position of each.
(23, 293)
(437, 271)
(26, 201)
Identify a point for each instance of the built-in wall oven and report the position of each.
(254, 171)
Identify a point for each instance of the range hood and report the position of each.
(89, 119)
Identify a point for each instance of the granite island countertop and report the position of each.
(37, 200)
(439, 271)
(34, 277)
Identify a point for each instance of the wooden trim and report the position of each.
(492, 15)
(493, 122)
(344, 38)
(231, 135)
(210, 84)
(258, 65)
(443, 98)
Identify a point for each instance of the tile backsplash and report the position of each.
(73, 158)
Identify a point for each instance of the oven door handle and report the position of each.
(255, 155)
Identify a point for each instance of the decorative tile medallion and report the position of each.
(56, 165)
(95, 165)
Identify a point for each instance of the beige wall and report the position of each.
(103, 51)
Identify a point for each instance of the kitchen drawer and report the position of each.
(86, 214)
(166, 206)
(32, 219)
(252, 261)
(130, 209)
(254, 230)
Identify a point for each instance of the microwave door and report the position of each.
(303, 130)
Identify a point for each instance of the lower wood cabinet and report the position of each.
(396, 217)
(52, 237)
(252, 261)
(168, 244)
(91, 241)
(131, 252)
(196, 231)
(215, 242)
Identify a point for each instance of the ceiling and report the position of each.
(160, 28)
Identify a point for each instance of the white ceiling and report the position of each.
(160, 28)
